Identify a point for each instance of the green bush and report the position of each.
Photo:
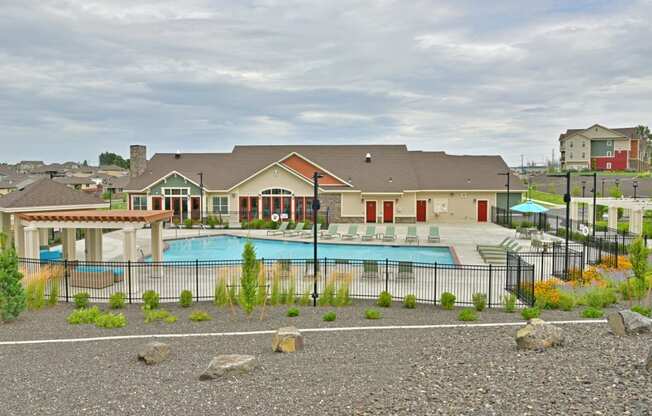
(600, 297)
(479, 301)
(632, 288)
(221, 296)
(188, 222)
(592, 313)
(305, 299)
(35, 294)
(84, 316)
(81, 300)
(185, 298)
(153, 315)
(13, 300)
(249, 278)
(372, 314)
(292, 312)
(530, 313)
(53, 296)
(566, 301)
(410, 301)
(117, 300)
(329, 316)
(199, 316)
(467, 314)
(109, 320)
(642, 310)
(342, 298)
(275, 295)
(447, 300)
(328, 296)
(509, 303)
(384, 300)
(151, 299)
(291, 294)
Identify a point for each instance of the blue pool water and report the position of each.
(230, 248)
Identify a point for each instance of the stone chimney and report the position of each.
(137, 159)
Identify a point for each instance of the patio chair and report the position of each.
(433, 235)
(503, 243)
(352, 233)
(307, 232)
(509, 245)
(370, 233)
(280, 230)
(390, 233)
(298, 229)
(411, 236)
(370, 269)
(330, 233)
(405, 270)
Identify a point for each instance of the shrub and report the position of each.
(81, 300)
(467, 314)
(372, 314)
(410, 301)
(592, 313)
(447, 300)
(599, 297)
(329, 316)
(275, 296)
(305, 299)
(479, 301)
(53, 296)
(35, 294)
(152, 315)
(384, 300)
(546, 294)
(530, 313)
(292, 312)
(328, 296)
(249, 278)
(642, 310)
(566, 301)
(509, 303)
(291, 294)
(84, 316)
(198, 316)
(12, 294)
(632, 288)
(187, 223)
(185, 298)
(151, 299)
(109, 320)
(117, 300)
(221, 297)
(342, 298)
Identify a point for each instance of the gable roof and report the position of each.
(393, 168)
(627, 132)
(46, 193)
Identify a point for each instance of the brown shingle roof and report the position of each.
(392, 169)
(47, 193)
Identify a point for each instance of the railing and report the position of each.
(286, 277)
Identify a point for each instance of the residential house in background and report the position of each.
(601, 148)
(360, 183)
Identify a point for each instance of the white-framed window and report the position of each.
(175, 191)
(583, 144)
(583, 155)
(609, 154)
(571, 144)
(220, 205)
(608, 165)
(139, 202)
(609, 143)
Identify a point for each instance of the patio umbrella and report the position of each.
(529, 207)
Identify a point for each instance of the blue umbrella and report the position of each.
(529, 207)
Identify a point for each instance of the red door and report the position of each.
(482, 211)
(388, 211)
(371, 211)
(421, 211)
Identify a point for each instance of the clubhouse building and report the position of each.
(360, 183)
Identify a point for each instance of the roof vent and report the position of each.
(367, 158)
(177, 155)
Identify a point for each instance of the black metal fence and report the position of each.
(287, 277)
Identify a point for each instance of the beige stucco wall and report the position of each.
(462, 206)
(621, 145)
(351, 205)
(599, 133)
(274, 177)
(578, 149)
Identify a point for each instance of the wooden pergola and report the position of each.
(93, 221)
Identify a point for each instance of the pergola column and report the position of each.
(129, 238)
(574, 210)
(635, 221)
(589, 213)
(43, 236)
(88, 237)
(19, 238)
(69, 243)
(94, 251)
(613, 218)
(32, 243)
(157, 241)
(5, 227)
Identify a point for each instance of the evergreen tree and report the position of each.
(249, 278)
(12, 294)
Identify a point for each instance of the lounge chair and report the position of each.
(405, 270)
(370, 233)
(308, 230)
(433, 235)
(280, 230)
(370, 269)
(390, 233)
(352, 233)
(509, 246)
(298, 229)
(503, 243)
(411, 235)
(330, 233)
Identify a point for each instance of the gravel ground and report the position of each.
(469, 371)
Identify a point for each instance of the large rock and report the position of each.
(648, 363)
(627, 322)
(154, 353)
(539, 335)
(287, 339)
(227, 364)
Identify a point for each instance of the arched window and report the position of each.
(276, 191)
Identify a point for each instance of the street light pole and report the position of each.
(508, 215)
(567, 199)
(315, 209)
(602, 193)
(595, 189)
(583, 189)
(635, 185)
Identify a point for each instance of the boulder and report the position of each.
(287, 339)
(539, 335)
(228, 364)
(154, 353)
(627, 322)
(648, 363)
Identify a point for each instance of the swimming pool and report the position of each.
(230, 248)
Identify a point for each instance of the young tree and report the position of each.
(638, 257)
(12, 294)
(615, 192)
(249, 278)
(576, 191)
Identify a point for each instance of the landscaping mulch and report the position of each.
(470, 371)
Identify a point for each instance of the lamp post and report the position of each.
(315, 209)
(567, 200)
(508, 215)
(635, 185)
(583, 190)
(201, 197)
(602, 193)
(617, 182)
(594, 190)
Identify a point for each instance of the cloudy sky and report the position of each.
(81, 76)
